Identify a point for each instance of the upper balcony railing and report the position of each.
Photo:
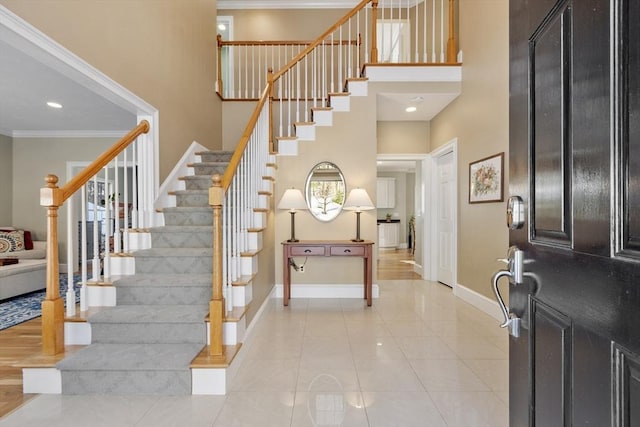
(379, 31)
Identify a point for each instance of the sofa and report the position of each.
(29, 274)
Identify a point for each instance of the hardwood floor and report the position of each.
(23, 341)
(396, 264)
(16, 344)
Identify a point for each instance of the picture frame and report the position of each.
(486, 179)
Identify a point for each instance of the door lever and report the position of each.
(515, 263)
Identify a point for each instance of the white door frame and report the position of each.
(422, 161)
(431, 227)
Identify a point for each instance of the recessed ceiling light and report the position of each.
(410, 109)
(54, 104)
(222, 27)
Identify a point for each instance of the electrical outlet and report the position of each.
(301, 268)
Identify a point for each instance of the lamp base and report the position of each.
(293, 240)
(357, 240)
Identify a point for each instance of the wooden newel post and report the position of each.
(216, 305)
(53, 305)
(219, 81)
(272, 149)
(374, 32)
(452, 49)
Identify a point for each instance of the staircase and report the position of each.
(145, 345)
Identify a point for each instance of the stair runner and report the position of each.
(146, 343)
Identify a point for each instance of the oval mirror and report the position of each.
(324, 191)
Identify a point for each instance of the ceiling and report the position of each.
(27, 84)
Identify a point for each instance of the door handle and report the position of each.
(515, 263)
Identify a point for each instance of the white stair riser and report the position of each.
(341, 103)
(358, 88)
(101, 296)
(209, 381)
(306, 132)
(139, 241)
(41, 381)
(259, 219)
(242, 295)
(263, 201)
(77, 333)
(255, 241)
(248, 265)
(122, 265)
(323, 117)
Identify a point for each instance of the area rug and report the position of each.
(26, 307)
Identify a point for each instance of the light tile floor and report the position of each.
(418, 357)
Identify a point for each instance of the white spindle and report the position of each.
(424, 31)
(83, 247)
(125, 232)
(71, 294)
(253, 71)
(306, 89)
(246, 72)
(441, 30)
(134, 186)
(116, 209)
(95, 267)
(433, 32)
(106, 270)
(366, 36)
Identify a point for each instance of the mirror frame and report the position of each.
(313, 209)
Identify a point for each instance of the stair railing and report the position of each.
(304, 81)
(390, 31)
(94, 186)
(236, 202)
(244, 63)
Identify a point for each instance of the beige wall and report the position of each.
(281, 24)
(235, 116)
(350, 144)
(479, 118)
(29, 170)
(403, 137)
(162, 50)
(6, 180)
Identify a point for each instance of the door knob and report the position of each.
(515, 263)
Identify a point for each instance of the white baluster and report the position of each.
(441, 30)
(106, 268)
(134, 185)
(433, 32)
(84, 304)
(95, 267)
(125, 233)
(116, 209)
(424, 32)
(71, 294)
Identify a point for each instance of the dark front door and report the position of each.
(575, 161)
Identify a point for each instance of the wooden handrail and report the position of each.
(222, 43)
(87, 173)
(320, 39)
(52, 197)
(244, 140)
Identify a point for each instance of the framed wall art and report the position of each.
(486, 179)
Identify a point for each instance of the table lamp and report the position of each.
(358, 200)
(292, 200)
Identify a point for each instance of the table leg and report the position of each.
(286, 281)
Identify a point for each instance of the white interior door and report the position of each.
(445, 219)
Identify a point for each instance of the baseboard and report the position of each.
(479, 301)
(327, 291)
(417, 268)
(41, 380)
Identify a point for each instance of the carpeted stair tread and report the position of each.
(189, 192)
(187, 209)
(182, 229)
(173, 252)
(152, 314)
(132, 357)
(164, 280)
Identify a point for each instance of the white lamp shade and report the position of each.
(358, 200)
(293, 200)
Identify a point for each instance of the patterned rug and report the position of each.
(28, 306)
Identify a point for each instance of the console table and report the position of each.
(327, 248)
